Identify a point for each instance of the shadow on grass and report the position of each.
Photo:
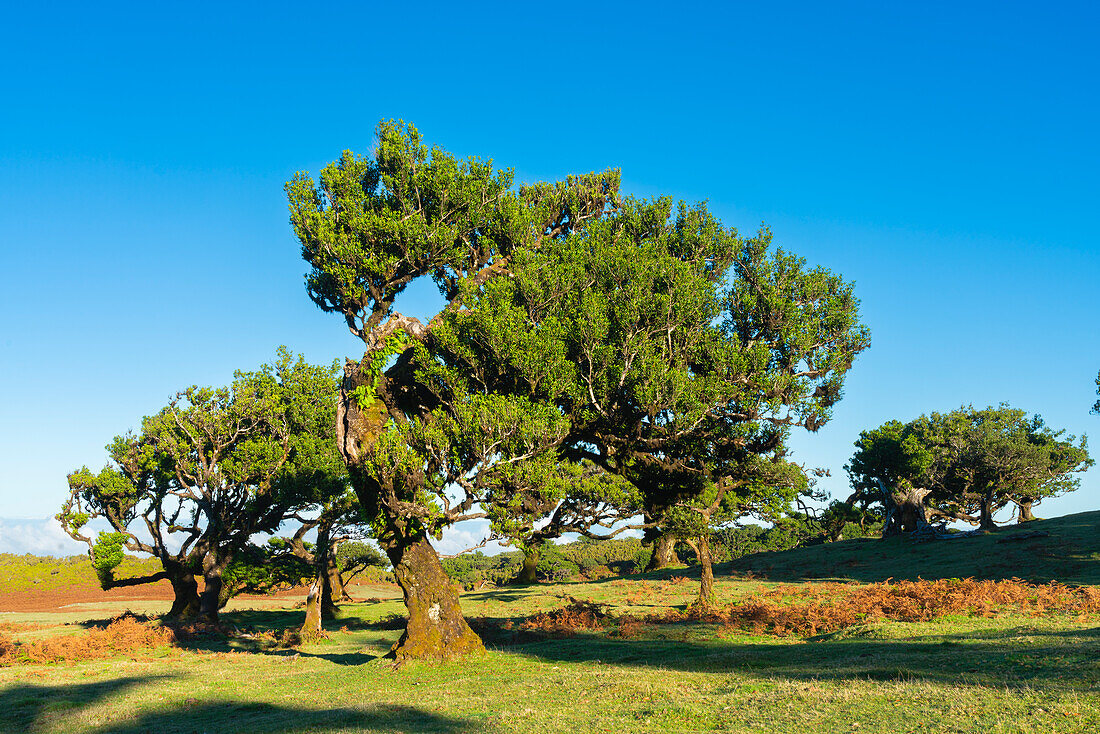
(29, 708)
(261, 718)
(1015, 657)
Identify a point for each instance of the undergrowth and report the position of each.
(823, 608)
(122, 635)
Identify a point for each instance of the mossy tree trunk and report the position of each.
(311, 627)
(527, 572)
(707, 599)
(185, 589)
(664, 553)
(436, 629)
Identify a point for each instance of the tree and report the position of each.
(756, 486)
(408, 432)
(1096, 405)
(210, 470)
(583, 333)
(337, 520)
(965, 465)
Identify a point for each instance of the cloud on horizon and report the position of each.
(37, 537)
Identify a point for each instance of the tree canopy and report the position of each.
(211, 469)
(590, 346)
(965, 465)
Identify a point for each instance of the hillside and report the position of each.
(1070, 553)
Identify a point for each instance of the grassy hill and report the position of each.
(1070, 553)
(43, 573)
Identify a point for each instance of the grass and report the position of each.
(1070, 553)
(1014, 671)
(27, 572)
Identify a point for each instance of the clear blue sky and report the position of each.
(943, 155)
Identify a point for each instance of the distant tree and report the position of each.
(1096, 405)
(210, 470)
(754, 486)
(535, 502)
(963, 465)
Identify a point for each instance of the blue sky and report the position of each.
(944, 156)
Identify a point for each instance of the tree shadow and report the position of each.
(27, 707)
(262, 718)
(1050, 660)
(30, 708)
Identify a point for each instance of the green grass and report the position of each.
(36, 573)
(1070, 554)
(1012, 673)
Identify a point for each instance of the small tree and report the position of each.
(964, 465)
(756, 486)
(212, 469)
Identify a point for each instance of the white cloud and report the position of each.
(37, 537)
(458, 538)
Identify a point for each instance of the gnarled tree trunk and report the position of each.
(527, 572)
(436, 628)
(986, 518)
(1024, 505)
(185, 588)
(707, 599)
(664, 553)
(905, 510)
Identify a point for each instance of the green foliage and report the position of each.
(554, 565)
(107, 554)
(213, 468)
(1096, 405)
(469, 569)
(975, 462)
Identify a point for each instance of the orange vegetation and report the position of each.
(121, 635)
(821, 608)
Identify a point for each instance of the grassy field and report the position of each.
(1001, 670)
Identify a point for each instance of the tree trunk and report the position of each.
(332, 589)
(1025, 510)
(707, 600)
(186, 591)
(530, 565)
(436, 629)
(664, 553)
(210, 601)
(311, 628)
(986, 518)
(325, 569)
(905, 510)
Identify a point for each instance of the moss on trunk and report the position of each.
(707, 599)
(664, 553)
(528, 571)
(436, 629)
